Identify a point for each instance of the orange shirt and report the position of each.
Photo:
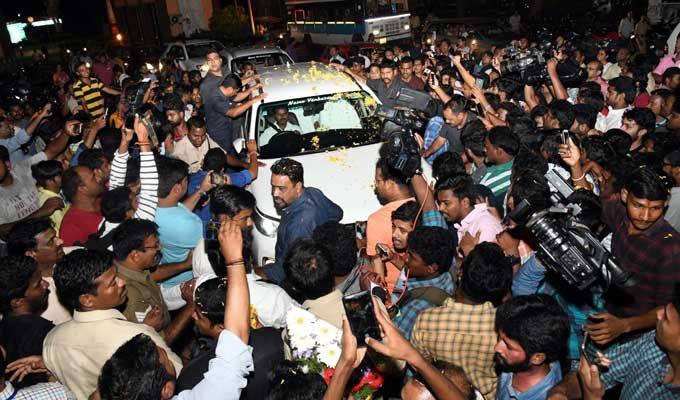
(379, 230)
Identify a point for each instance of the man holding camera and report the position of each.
(386, 88)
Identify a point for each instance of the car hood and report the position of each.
(345, 176)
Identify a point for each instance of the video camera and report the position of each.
(151, 117)
(565, 245)
(531, 66)
(402, 148)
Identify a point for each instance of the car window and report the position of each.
(318, 123)
(199, 50)
(260, 60)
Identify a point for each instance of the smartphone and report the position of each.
(77, 129)
(480, 109)
(589, 351)
(361, 317)
(565, 137)
(479, 82)
(382, 250)
(217, 179)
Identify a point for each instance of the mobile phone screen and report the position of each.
(361, 316)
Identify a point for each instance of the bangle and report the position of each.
(252, 153)
(578, 179)
(236, 264)
(238, 261)
(144, 143)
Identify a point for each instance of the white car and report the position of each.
(190, 55)
(337, 142)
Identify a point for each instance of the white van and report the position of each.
(337, 141)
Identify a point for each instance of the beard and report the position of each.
(279, 205)
(381, 199)
(521, 366)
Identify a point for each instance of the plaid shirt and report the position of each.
(434, 218)
(640, 365)
(464, 335)
(653, 256)
(40, 391)
(434, 126)
(408, 313)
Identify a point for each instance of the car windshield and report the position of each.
(317, 123)
(199, 50)
(259, 60)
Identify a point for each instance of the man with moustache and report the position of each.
(386, 88)
(23, 296)
(532, 336)
(74, 352)
(36, 238)
(392, 192)
(301, 208)
(136, 250)
(234, 204)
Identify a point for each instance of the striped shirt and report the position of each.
(91, 95)
(497, 178)
(148, 193)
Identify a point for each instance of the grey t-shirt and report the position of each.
(386, 94)
(21, 198)
(452, 134)
(216, 105)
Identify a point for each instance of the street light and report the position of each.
(119, 37)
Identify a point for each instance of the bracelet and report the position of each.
(578, 179)
(252, 153)
(238, 264)
(239, 261)
(144, 143)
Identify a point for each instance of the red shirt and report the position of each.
(78, 225)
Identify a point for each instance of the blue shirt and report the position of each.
(179, 231)
(537, 392)
(577, 305)
(434, 126)
(13, 145)
(227, 372)
(640, 365)
(239, 179)
(408, 313)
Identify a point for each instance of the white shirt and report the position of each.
(75, 351)
(338, 57)
(55, 312)
(673, 211)
(21, 198)
(270, 301)
(269, 133)
(613, 120)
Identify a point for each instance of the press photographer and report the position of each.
(644, 244)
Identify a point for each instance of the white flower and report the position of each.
(299, 322)
(325, 332)
(305, 369)
(302, 343)
(329, 354)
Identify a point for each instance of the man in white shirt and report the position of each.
(231, 203)
(75, 351)
(192, 148)
(620, 95)
(335, 55)
(626, 25)
(281, 123)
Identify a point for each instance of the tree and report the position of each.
(231, 23)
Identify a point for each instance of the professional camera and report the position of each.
(402, 148)
(531, 67)
(565, 245)
(151, 117)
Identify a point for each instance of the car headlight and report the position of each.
(407, 27)
(264, 224)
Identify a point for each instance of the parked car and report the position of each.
(259, 56)
(190, 55)
(337, 142)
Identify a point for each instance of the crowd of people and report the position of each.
(128, 269)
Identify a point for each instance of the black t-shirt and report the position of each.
(386, 94)
(267, 353)
(23, 336)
